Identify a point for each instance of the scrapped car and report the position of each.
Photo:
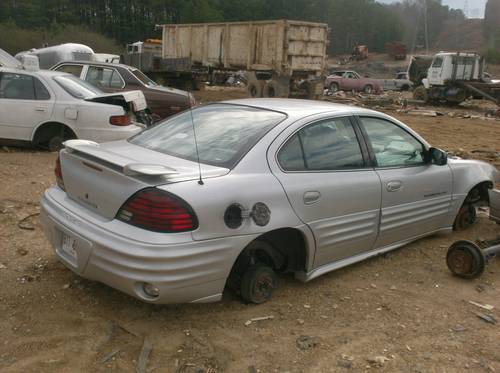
(45, 108)
(229, 194)
(351, 81)
(113, 77)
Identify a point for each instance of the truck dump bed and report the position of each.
(281, 46)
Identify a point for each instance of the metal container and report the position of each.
(282, 46)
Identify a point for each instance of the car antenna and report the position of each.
(200, 180)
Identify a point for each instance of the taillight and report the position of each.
(192, 100)
(159, 211)
(120, 120)
(58, 172)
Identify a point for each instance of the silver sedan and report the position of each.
(229, 194)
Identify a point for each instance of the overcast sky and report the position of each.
(476, 7)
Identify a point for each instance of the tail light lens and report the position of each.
(58, 173)
(120, 120)
(158, 211)
(192, 100)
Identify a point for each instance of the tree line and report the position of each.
(351, 21)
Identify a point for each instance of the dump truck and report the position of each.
(282, 58)
(396, 50)
(455, 76)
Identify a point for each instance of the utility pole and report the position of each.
(426, 31)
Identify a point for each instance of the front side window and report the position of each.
(22, 87)
(326, 145)
(103, 77)
(392, 145)
(224, 133)
(75, 70)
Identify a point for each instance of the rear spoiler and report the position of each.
(92, 149)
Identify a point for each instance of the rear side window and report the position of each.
(75, 70)
(104, 77)
(22, 87)
(326, 145)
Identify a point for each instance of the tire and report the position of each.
(465, 218)
(333, 88)
(368, 89)
(405, 88)
(309, 88)
(465, 259)
(420, 93)
(255, 89)
(271, 89)
(258, 283)
(55, 144)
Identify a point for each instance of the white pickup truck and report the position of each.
(400, 83)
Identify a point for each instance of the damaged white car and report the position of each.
(45, 108)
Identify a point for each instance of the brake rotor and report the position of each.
(465, 259)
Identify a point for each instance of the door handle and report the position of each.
(42, 109)
(311, 197)
(394, 186)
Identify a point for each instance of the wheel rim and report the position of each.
(368, 89)
(263, 288)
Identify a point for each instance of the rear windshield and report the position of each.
(77, 87)
(224, 133)
(143, 77)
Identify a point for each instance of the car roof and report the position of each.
(96, 63)
(47, 73)
(299, 108)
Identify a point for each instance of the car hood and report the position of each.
(8, 61)
(135, 97)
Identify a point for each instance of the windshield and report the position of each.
(143, 78)
(224, 133)
(77, 87)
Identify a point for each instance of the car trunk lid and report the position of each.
(101, 177)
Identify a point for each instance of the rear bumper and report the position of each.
(189, 271)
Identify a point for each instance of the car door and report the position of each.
(25, 102)
(416, 194)
(322, 168)
(349, 83)
(105, 78)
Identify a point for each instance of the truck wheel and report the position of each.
(368, 89)
(406, 87)
(420, 93)
(258, 284)
(333, 88)
(255, 89)
(271, 89)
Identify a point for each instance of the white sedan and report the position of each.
(45, 108)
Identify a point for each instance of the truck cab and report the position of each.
(448, 67)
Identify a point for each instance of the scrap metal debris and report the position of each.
(109, 356)
(24, 224)
(487, 307)
(255, 319)
(144, 355)
(489, 318)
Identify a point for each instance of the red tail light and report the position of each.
(192, 100)
(120, 120)
(58, 172)
(158, 211)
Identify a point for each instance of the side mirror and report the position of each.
(437, 157)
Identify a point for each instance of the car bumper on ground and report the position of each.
(183, 272)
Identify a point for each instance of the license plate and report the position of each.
(69, 245)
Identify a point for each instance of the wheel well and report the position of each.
(48, 130)
(479, 193)
(283, 249)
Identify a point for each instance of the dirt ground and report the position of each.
(401, 312)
